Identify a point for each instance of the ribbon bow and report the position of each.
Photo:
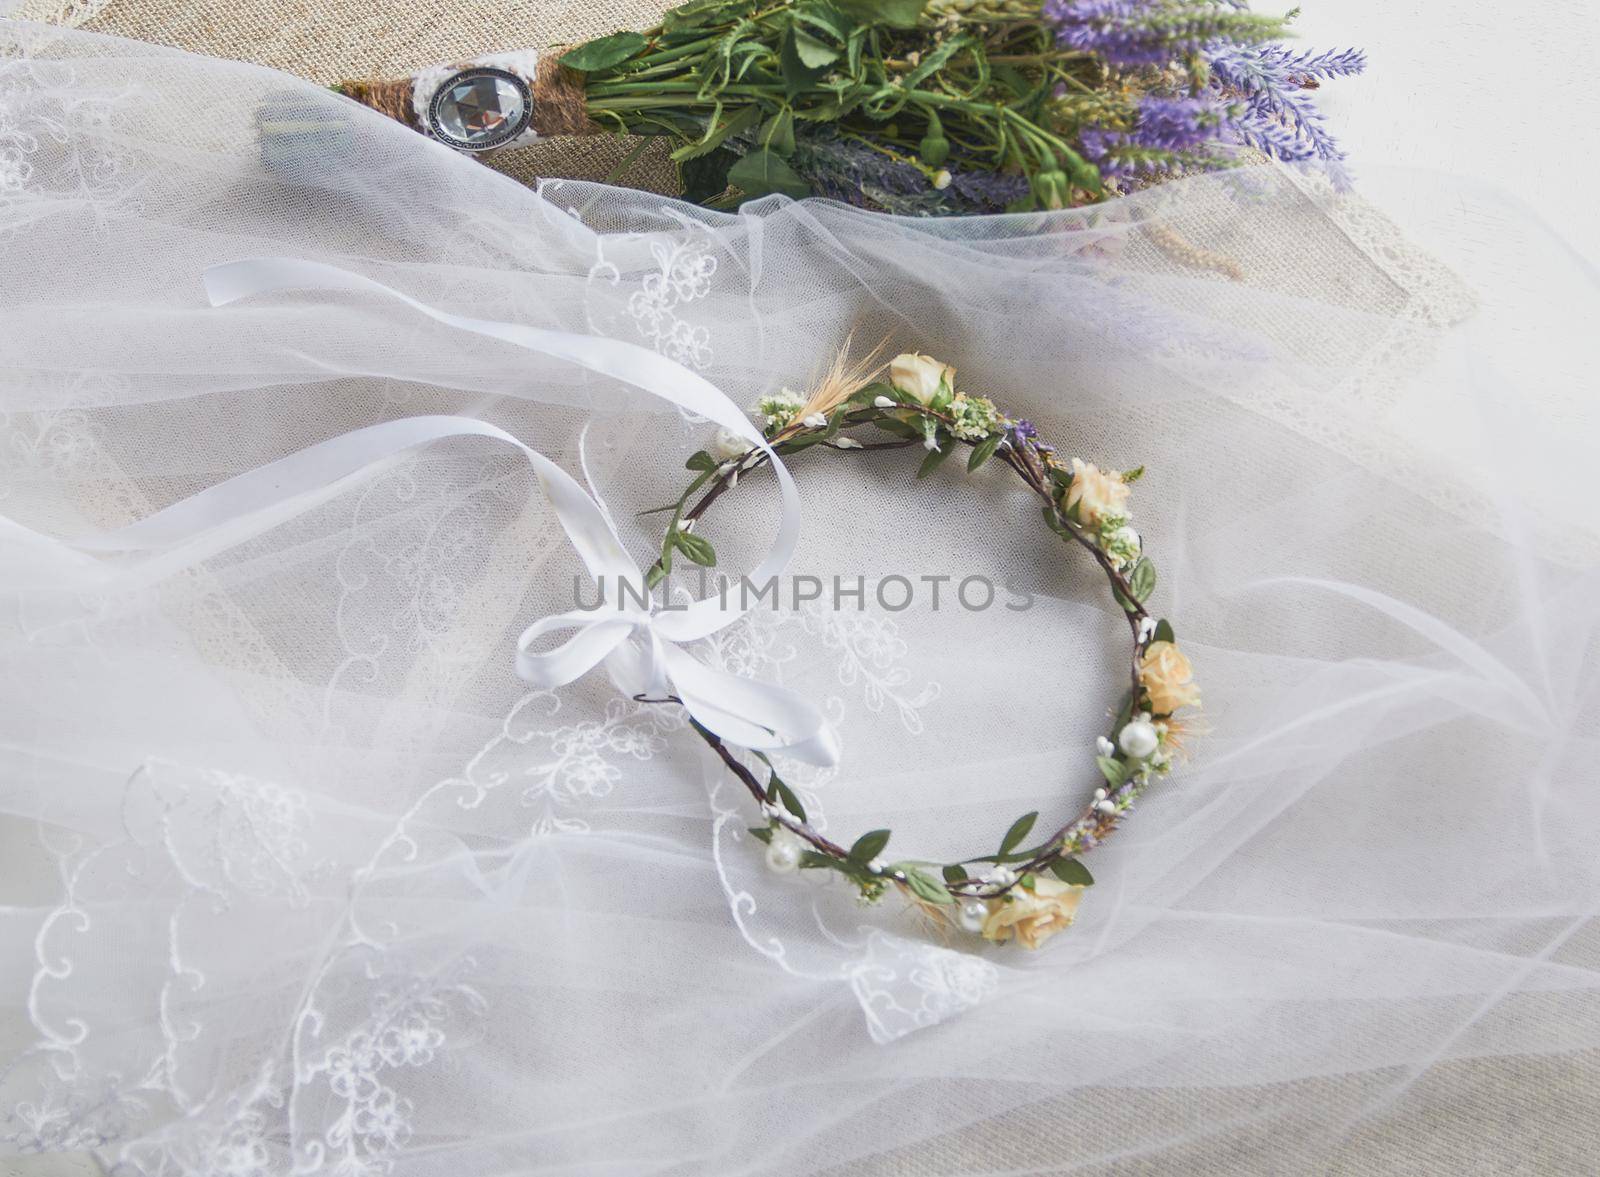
(641, 644)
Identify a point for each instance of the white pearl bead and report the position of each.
(1139, 739)
(1107, 807)
(783, 855)
(972, 914)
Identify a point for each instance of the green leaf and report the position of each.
(740, 120)
(897, 427)
(695, 547)
(1163, 631)
(897, 14)
(777, 134)
(1142, 580)
(813, 52)
(931, 462)
(786, 795)
(761, 833)
(1112, 769)
(853, 50)
(934, 61)
(762, 172)
(1124, 712)
(983, 451)
(604, 52)
(868, 846)
(1053, 521)
(825, 17)
(927, 888)
(1018, 831)
(804, 58)
(954, 873)
(1070, 870)
(658, 573)
(698, 12)
(700, 460)
(812, 860)
(802, 442)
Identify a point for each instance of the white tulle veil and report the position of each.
(320, 886)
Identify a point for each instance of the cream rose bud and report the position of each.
(1033, 914)
(920, 376)
(727, 445)
(1167, 678)
(1095, 494)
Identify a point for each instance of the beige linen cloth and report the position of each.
(1534, 1116)
(331, 41)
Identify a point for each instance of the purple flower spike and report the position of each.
(1277, 115)
(1166, 131)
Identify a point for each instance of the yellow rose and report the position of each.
(920, 376)
(1095, 493)
(1033, 914)
(1168, 678)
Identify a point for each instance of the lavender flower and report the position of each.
(856, 174)
(1021, 434)
(988, 191)
(1153, 32)
(1277, 116)
(1166, 132)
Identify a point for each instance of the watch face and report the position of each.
(479, 109)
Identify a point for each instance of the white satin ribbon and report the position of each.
(639, 644)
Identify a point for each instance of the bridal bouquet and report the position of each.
(908, 106)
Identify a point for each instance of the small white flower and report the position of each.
(1000, 876)
(876, 866)
(848, 443)
(1105, 747)
(1147, 628)
(942, 178)
(929, 444)
(815, 421)
(686, 525)
(727, 445)
(882, 402)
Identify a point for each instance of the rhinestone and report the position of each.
(480, 108)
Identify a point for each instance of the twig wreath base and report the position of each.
(1023, 892)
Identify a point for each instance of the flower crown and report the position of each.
(1026, 890)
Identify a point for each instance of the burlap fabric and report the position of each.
(328, 41)
(1525, 1116)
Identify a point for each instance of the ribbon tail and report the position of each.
(757, 715)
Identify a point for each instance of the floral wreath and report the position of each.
(1021, 891)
